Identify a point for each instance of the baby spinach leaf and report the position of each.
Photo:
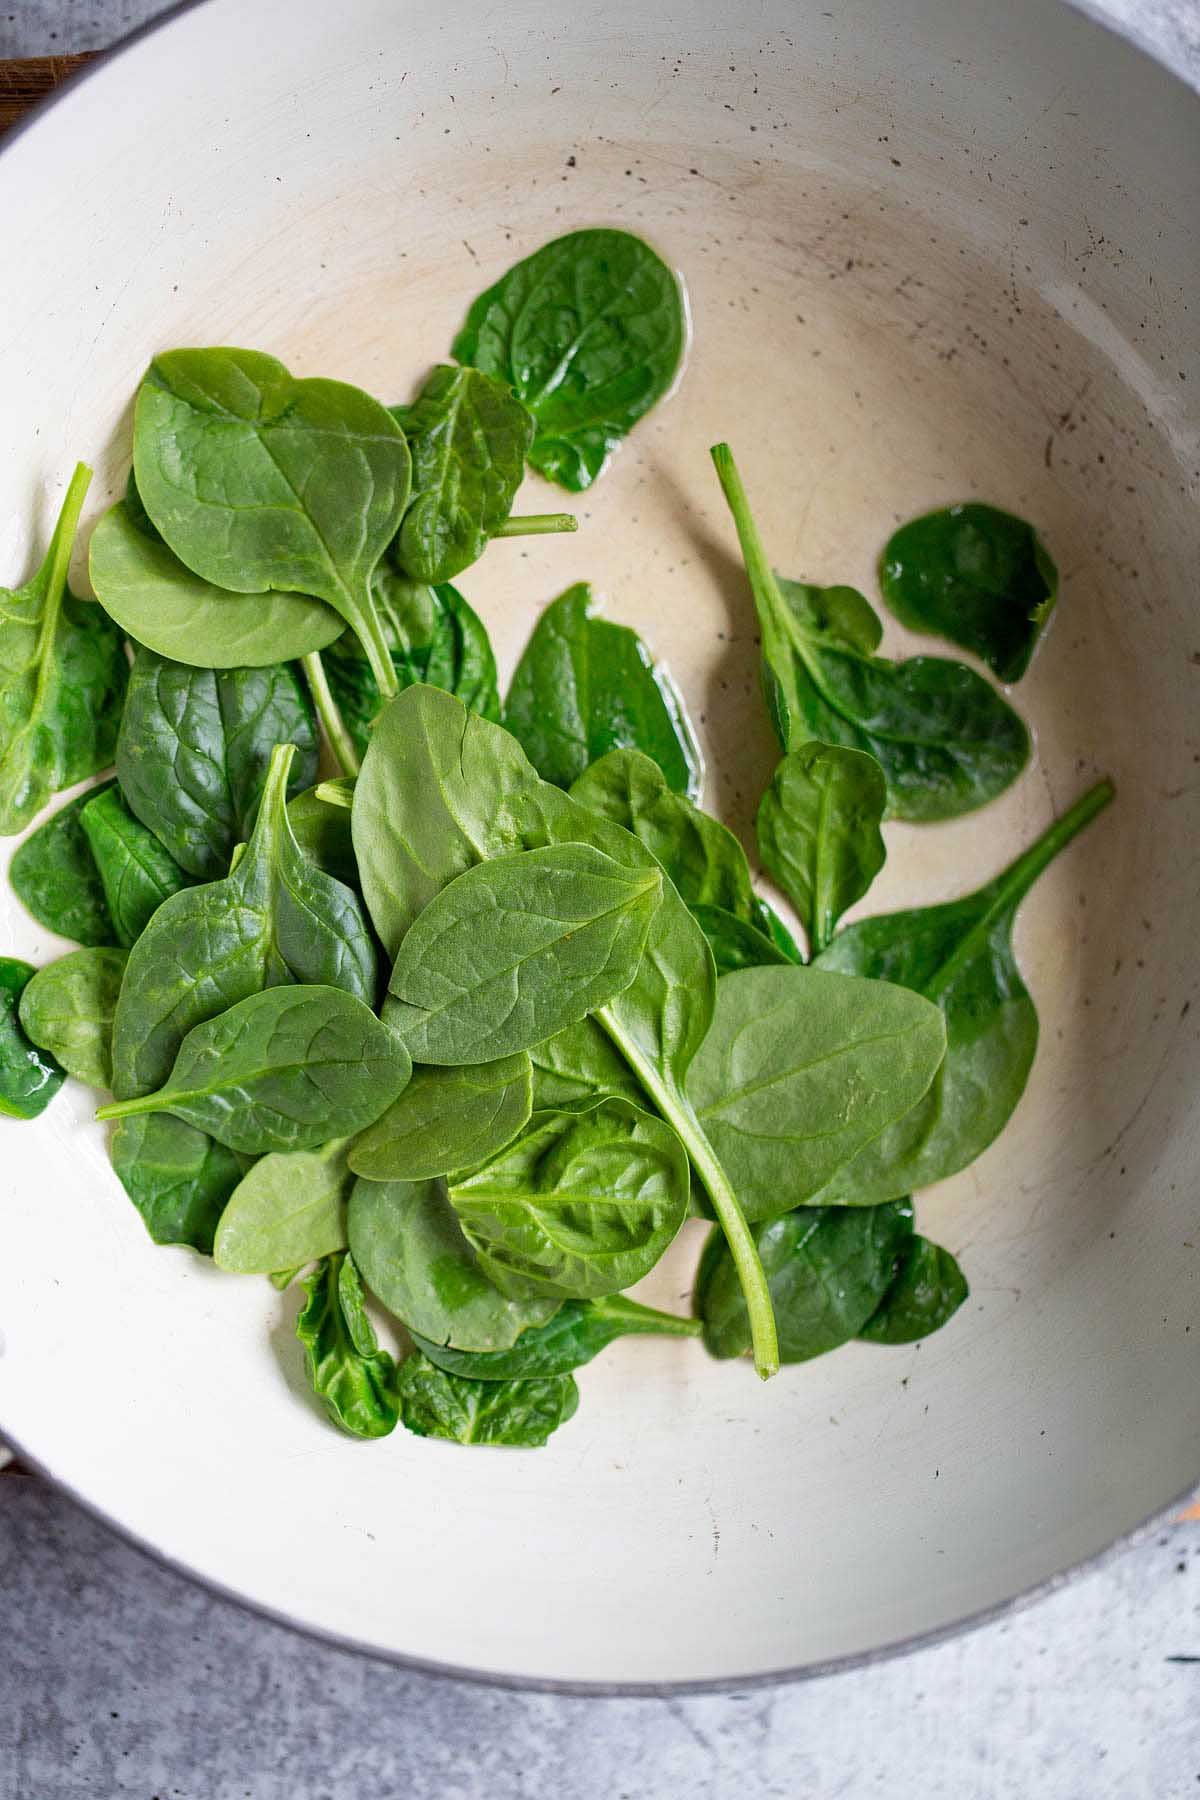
(406, 1239)
(581, 1205)
(281, 1070)
(589, 332)
(735, 944)
(578, 1068)
(322, 831)
(584, 687)
(946, 740)
(798, 1075)
(55, 876)
(67, 1010)
(178, 1178)
(827, 1268)
(194, 748)
(925, 1293)
(469, 437)
(518, 948)
(446, 1119)
(156, 599)
(288, 1210)
(434, 637)
(704, 860)
(275, 918)
(579, 1330)
(960, 957)
(62, 679)
(259, 481)
(975, 575)
(29, 1079)
(772, 926)
(136, 872)
(521, 1414)
(818, 832)
(346, 1368)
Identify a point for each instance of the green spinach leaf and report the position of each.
(29, 1079)
(275, 919)
(322, 830)
(346, 1368)
(406, 1239)
(735, 943)
(518, 948)
(55, 876)
(581, 1205)
(521, 1414)
(288, 1210)
(259, 481)
(194, 748)
(67, 1010)
(137, 873)
(705, 862)
(579, 1330)
(446, 1119)
(960, 957)
(178, 1178)
(926, 1291)
(578, 1068)
(156, 599)
(946, 740)
(62, 680)
(584, 687)
(827, 1268)
(589, 332)
(799, 1074)
(975, 575)
(818, 832)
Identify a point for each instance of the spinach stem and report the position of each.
(637, 1317)
(340, 741)
(331, 793)
(677, 1111)
(537, 525)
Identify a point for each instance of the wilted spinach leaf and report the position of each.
(55, 876)
(29, 1079)
(288, 1210)
(346, 1367)
(589, 332)
(446, 1119)
(136, 872)
(926, 1291)
(436, 1404)
(975, 575)
(579, 1330)
(67, 1010)
(818, 832)
(178, 1178)
(584, 687)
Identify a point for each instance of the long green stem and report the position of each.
(636, 1317)
(677, 1111)
(340, 741)
(124, 1109)
(537, 525)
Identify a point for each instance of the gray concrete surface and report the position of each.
(118, 1678)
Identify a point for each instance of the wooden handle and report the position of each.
(23, 84)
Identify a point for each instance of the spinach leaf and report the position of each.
(960, 957)
(469, 437)
(67, 1009)
(346, 1367)
(773, 927)
(945, 739)
(406, 1239)
(799, 1073)
(827, 1268)
(54, 875)
(29, 1079)
(704, 860)
(518, 948)
(322, 830)
(589, 332)
(735, 943)
(818, 832)
(62, 679)
(194, 748)
(434, 637)
(577, 1068)
(258, 481)
(156, 599)
(288, 1210)
(280, 1071)
(275, 919)
(975, 575)
(581, 1205)
(446, 1119)
(518, 1413)
(579, 1330)
(926, 1291)
(584, 687)
(178, 1178)
(136, 872)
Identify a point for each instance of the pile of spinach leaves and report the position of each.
(471, 1027)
